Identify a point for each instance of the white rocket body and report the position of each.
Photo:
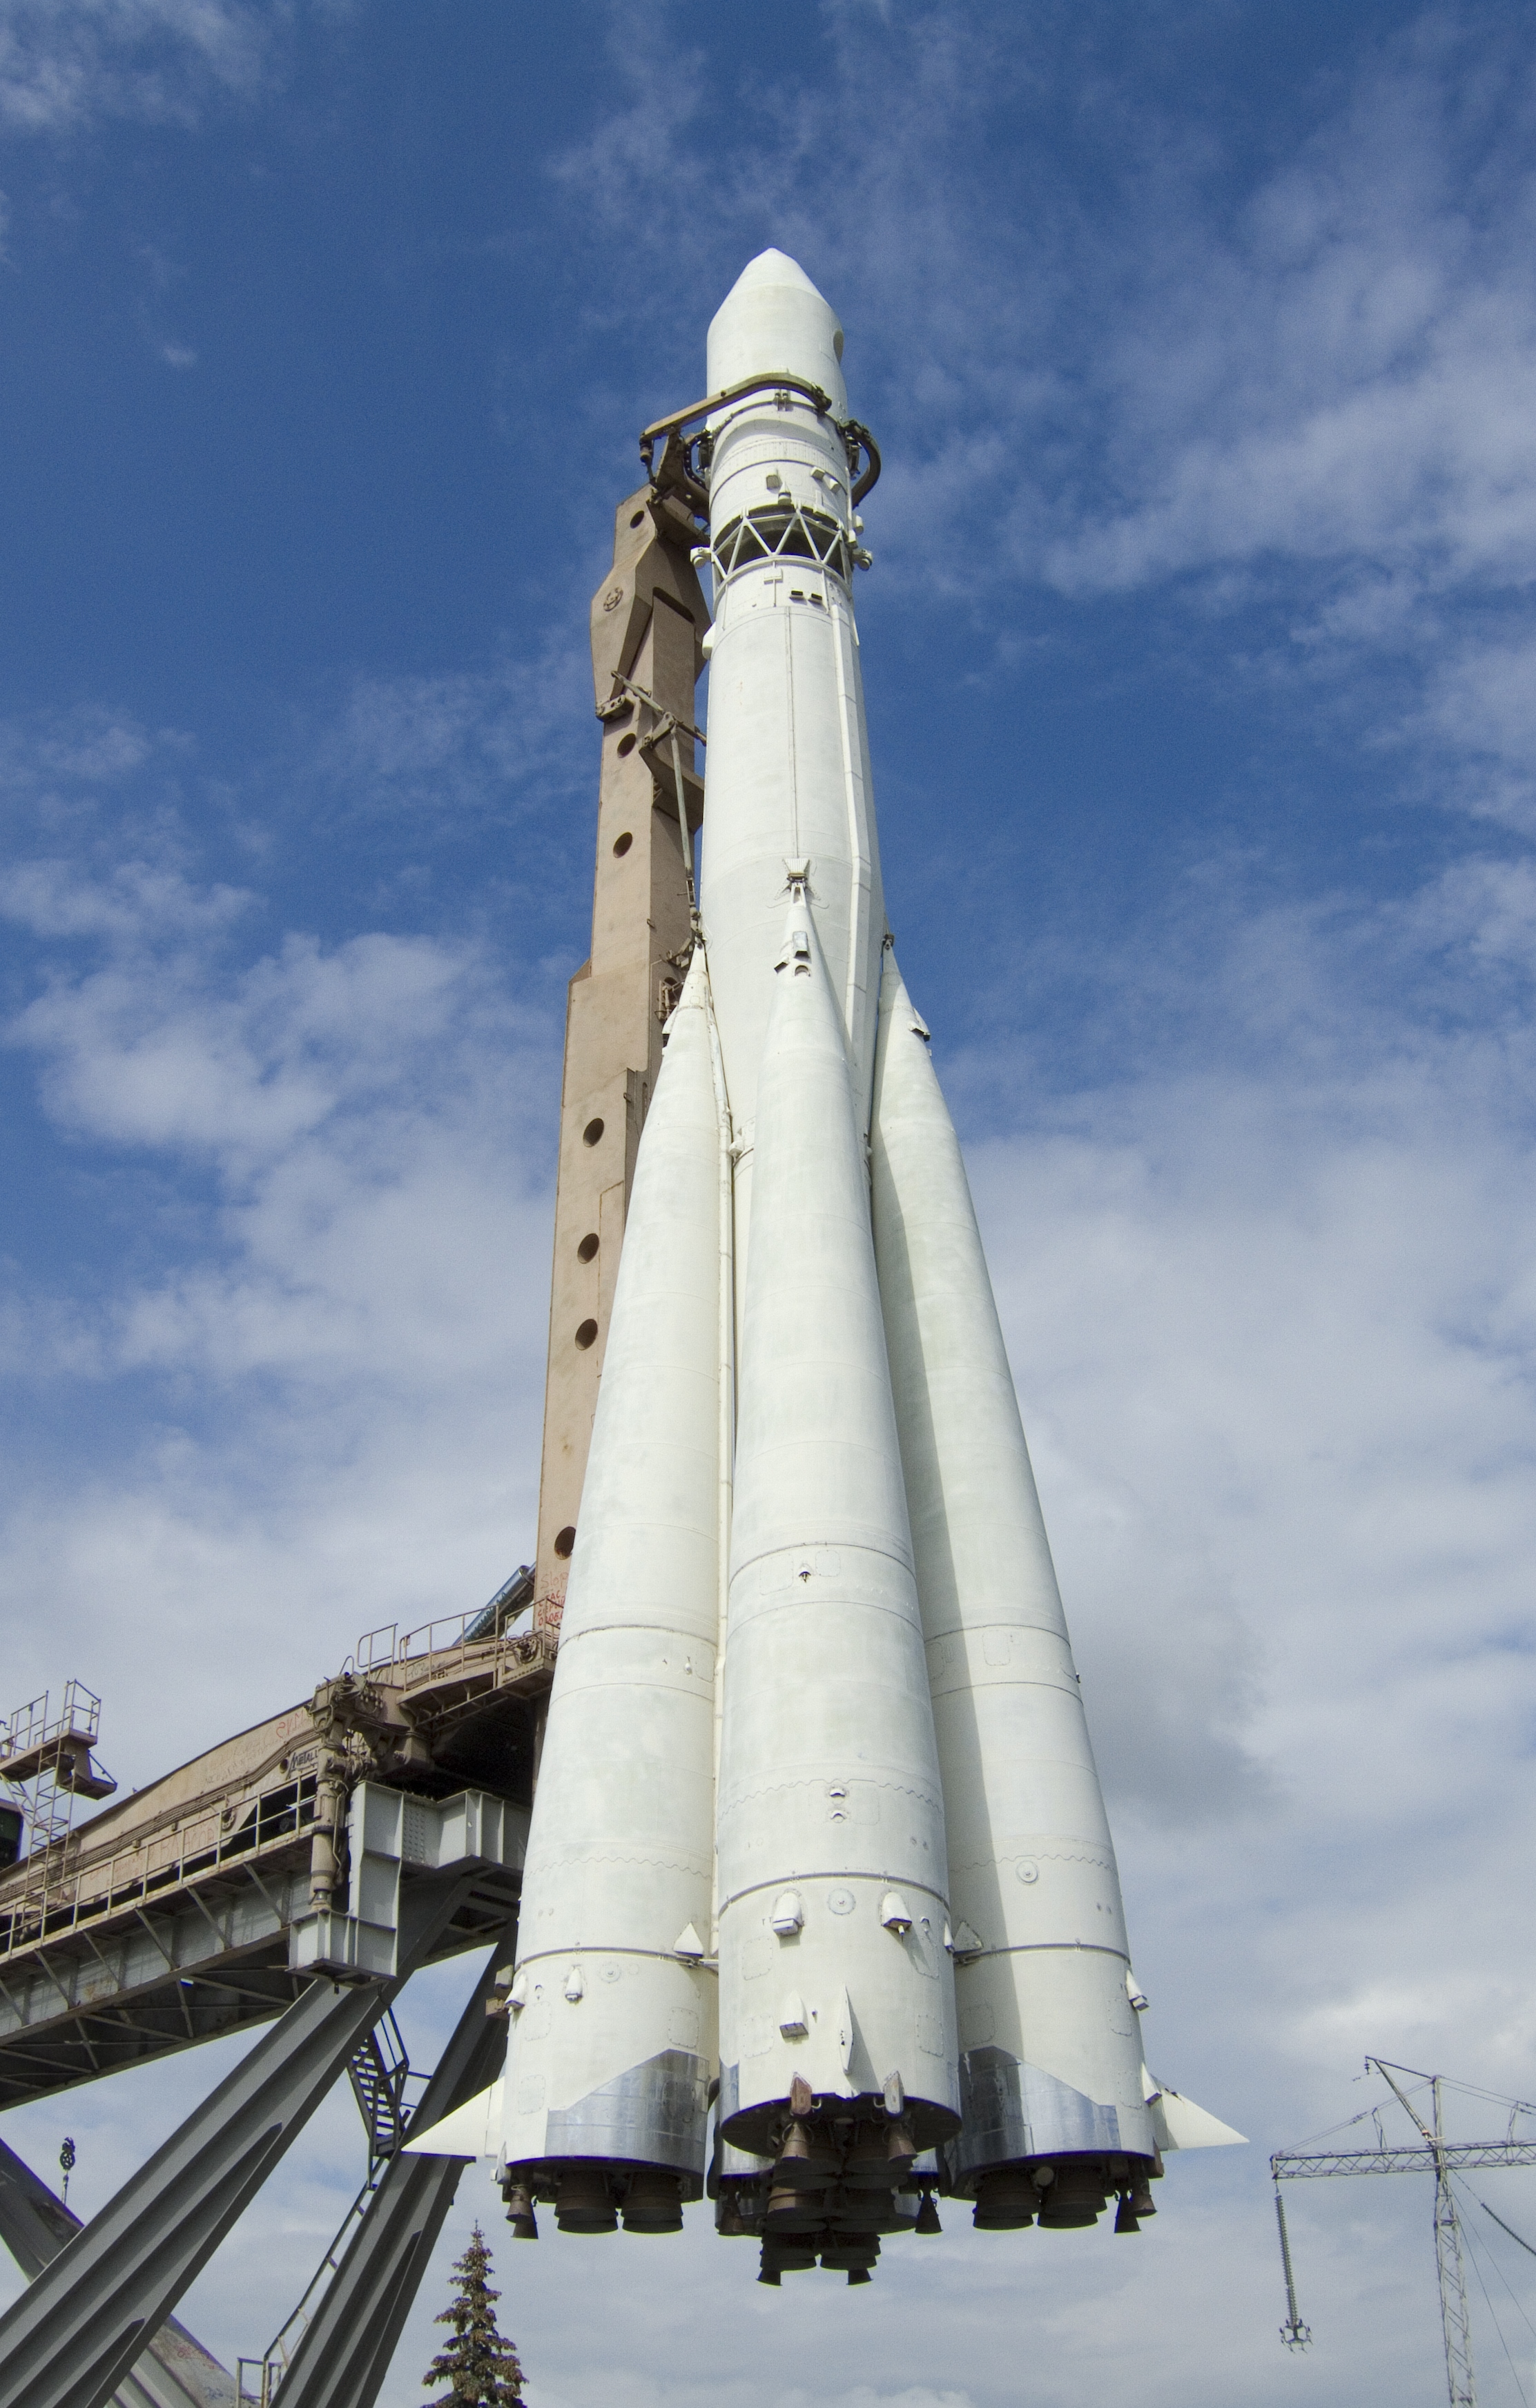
(788, 774)
(611, 2044)
(832, 1869)
(768, 1829)
(1051, 2057)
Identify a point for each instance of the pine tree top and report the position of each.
(480, 2362)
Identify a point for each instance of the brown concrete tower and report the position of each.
(647, 621)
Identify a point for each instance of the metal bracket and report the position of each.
(627, 690)
(857, 439)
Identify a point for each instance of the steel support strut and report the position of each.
(176, 2370)
(346, 2348)
(70, 2339)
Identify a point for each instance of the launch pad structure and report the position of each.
(296, 1874)
(826, 1432)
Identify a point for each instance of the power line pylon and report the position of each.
(1431, 2154)
(1450, 2265)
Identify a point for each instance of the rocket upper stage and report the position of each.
(816, 1760)
(774, 322)
(789, 774)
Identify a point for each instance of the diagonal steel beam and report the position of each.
(176, 2370)
(71, 2338)
(345, 2349)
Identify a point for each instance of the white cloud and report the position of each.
(1275, 1334)
(1485, 700)
(469, 738)
(88, 747)
(315, 1323)
(64, 63)
(1478, 715)
(1275, 1331)
(639, 145)
(1311, 436)
(1293, 394)
(137, 898)
(139, 1057)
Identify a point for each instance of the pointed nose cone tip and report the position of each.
(695, 985)
(893, 986)
(773, 321)
(773, 266)
(903, 1074)
(693, 1001)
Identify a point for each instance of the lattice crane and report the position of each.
(1431, 2154)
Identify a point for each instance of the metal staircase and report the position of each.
(379, 2071)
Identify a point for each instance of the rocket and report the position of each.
(820, 1909)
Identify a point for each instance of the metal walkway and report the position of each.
(294, 1876)
(169, 1917)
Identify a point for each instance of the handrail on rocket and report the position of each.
(857, 438)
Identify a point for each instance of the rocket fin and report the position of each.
(829, 1786)
(613, 2039)
(472, 2130)
(1030, 1858)
(1178, 2124)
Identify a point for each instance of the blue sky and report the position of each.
(1200, 344)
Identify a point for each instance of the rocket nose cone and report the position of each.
(773, 266)
(774, 323)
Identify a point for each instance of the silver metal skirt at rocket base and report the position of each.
(818, 1837)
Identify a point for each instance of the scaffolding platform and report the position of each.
(36, 1743)
(186, 1910)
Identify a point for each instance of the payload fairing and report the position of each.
(818, 1840)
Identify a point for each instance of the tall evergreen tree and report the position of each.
(480, 2362)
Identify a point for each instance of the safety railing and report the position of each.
(32, 1726)
(435, 1650)
(138, 1872)
(258, 2380)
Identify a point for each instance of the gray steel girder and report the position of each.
(1290, 2165)
(176, 2370)
(185, 1968)
(345, 2349)
(71, 2338)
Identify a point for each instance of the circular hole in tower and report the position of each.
(586, 1333)
(592, 1132)
(622, 843)
(627, 745)
(565, 1540)
(588, 1247)
(638, 518)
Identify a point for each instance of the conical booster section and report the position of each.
(613, 2014)
(834, 1978)
(1051, 2067)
